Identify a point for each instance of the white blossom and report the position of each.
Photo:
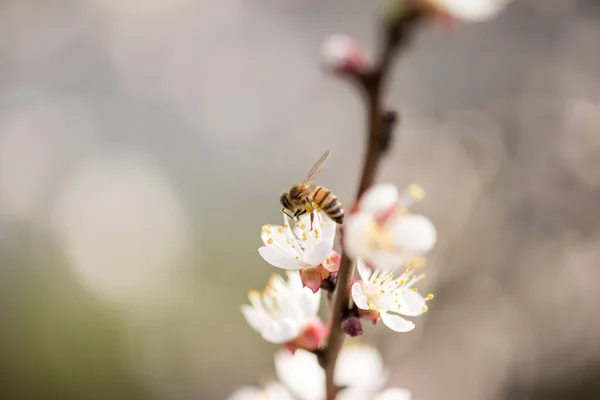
(470, 10)
(305, 244)
(284, 311)
(359, 370)
(271, 391)
(390, 298)
(296, 246)
(383, 233)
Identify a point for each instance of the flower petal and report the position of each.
(246, 393)
(318, 252)
(355, 229)
(278, 258)
(281, 331)
(413, 234)
(257, 319)
(359, 297)
(279, 237)
(385, 261)
(328, 227)
(309, 303)
(396, 322)
(473, 10)
(352, 394)
(412, 304)
(369, 378)
(378, 199)
(301, 373)
(276, 391)
(363, 270)
(394, 394)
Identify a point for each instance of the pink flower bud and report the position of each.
(352, 326)
(311, 338)
(344, 55)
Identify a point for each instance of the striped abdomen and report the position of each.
(329, 203)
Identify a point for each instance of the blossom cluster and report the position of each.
(379, 234)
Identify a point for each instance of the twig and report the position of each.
(380, 125)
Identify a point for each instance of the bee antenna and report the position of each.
(286, 213)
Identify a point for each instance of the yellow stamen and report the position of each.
(280, 229)
(424, 308)
(416, 192)
(270, 241)
(430, 296)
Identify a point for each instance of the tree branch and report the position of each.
(380, 124)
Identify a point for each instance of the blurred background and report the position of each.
(143, 143)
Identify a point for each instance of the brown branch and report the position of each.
(380, 123)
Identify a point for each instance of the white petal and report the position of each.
(363, 270)
(278, 258)
(359, 297)
(360, 367)
(471, 10)
(396, 322)
(279, 239)
(257, 319)
(247, 393)
(355, 228)
(413, 234)
(412, 304)
(394, 394)
(276, 391)
(352, 394)
(301, 373)
(386, 261)
(294, 281)
(318, 252)
(286, 220)
(378, 199)
(304, 223)
(309, 303)
(329, 229)
(281, 331)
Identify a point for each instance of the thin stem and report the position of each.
(396, 36)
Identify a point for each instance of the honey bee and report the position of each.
(306, 197)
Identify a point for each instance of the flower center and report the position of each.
(379, 238)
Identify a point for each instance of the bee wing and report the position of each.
(316, 168)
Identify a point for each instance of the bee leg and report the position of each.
(312, 220)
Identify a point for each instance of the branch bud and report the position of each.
(345, 55)
(352, 326)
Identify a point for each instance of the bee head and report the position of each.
(284, 200)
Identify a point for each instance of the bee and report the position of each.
(305, 197)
